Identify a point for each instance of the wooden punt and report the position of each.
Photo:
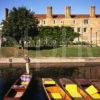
(18, 89)
(73, 90)
(83, 83)
(96, 83)
(53, 90)
(86, 84)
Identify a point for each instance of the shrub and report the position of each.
(8, 42)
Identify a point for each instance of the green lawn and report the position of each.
(57, 52)
(67, 52)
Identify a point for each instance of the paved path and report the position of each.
(52, 59)
(53, 62)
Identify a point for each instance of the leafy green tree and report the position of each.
(68, 35)
(20, 24)
(56, 36)
(45, 33)
(9, 42)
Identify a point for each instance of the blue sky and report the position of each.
(39, 6)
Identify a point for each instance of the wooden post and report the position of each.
(27, 59)
(27, 68)
(10, 62)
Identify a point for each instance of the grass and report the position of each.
(77, 51)
(67, 52)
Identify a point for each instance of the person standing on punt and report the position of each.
(27, 59)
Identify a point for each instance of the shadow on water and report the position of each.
(55, 72)
(7, 77)
(35, 90)
(1, 87)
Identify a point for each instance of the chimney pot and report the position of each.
(49, 12)
(6, 12)
(92, 11)
(68, 12)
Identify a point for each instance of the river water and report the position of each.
(9, 75)
(35, 90)
(1, 87)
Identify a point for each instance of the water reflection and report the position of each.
(1, 87)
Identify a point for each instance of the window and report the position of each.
(40, 22)
(43, 22)
(78, 29)
(86, 21)
(73, 21)
(84, 29)
(54, 22)
(62, 22)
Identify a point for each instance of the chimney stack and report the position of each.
(92, 11)
(6, 12)
(49, 12)
(68, 12)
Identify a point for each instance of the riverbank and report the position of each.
(52, 61)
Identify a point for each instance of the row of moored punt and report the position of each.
(63, 89)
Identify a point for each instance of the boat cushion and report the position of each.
(72, 89)
(91, 90)
(52, 89)
(75, 94)
(56, 96)
(24, 83)
(51, 82)
(19, 94)
(96, 96)
(25, 77)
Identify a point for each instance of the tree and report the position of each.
(20, 24)
(68, 35)
(56, 36)
(45, 34)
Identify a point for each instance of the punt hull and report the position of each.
(10, 95)
(65, 97)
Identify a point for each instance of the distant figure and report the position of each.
(27, 59)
